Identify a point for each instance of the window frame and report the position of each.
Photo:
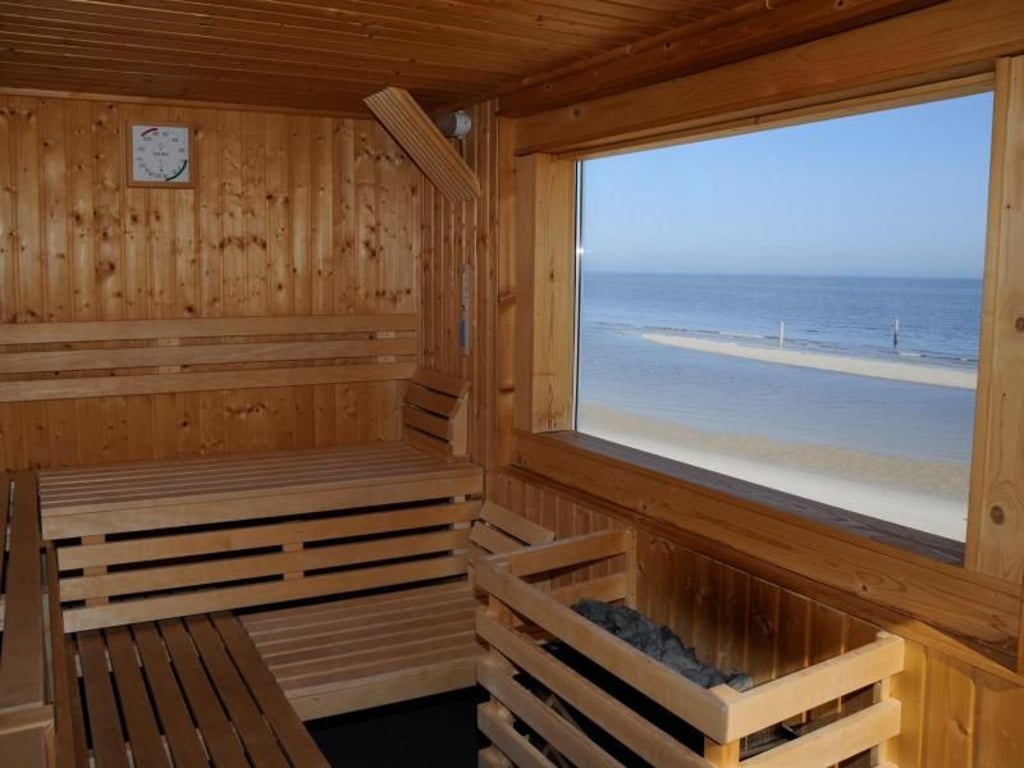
(898, 570)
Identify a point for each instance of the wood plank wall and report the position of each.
(291, 215)
(955, 716)
(455, 236)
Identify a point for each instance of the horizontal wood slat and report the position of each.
(165, 365)
(192, 328)
(95, 359)
(123, 386)
(151, 608)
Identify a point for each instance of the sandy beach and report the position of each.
(920, 493)
(876, 369)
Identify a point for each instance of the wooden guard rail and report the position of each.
(52, 361)
(519, 610)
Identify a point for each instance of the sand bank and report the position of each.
(876, 369)
(924, 494)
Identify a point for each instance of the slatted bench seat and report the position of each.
(346, 655)
(26, 713)
(183, 692)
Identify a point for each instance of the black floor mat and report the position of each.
(434, 732)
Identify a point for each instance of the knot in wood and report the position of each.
(997, 514)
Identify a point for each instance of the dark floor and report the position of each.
(436, 732)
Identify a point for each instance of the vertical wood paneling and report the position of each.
(949, 728)
(454, 237)
(289, 215)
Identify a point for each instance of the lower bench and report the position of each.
(185, 692)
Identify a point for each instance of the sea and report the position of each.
(938, 321)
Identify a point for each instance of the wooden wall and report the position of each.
(291, 215)
(456, 236)
(955, 716)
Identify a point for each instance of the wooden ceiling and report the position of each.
(318, 54)
(327, 55)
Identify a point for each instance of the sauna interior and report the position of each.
(289, 426)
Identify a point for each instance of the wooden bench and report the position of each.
(26, 714)
(215, 689)
(149, 557)
(347, 655)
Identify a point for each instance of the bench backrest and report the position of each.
(53, 361)
(435, 415)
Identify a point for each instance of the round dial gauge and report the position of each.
(160, 154)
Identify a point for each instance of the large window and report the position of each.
(797, 307)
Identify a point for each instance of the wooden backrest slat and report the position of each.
(500, 531)
(22, 659)
(207, 381)
(436, 426)
(438, 382)
(430, 401)
(203, 354)
(527, 531)
(137, 330)
(493, 541)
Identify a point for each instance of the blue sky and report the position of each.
(895, 193)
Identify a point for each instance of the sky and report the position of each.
(902, 192)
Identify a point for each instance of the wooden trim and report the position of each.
(210, 381)
(723, 39)
(995, 530)
(417, 135)
(546, 278)
(23, 682)
(951, 39)
(970, 605)
(137, 330)
(270, 109)
(197, 354)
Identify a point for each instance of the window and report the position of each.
(797, 307)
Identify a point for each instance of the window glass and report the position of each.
(797, 307)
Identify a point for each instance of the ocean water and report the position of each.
(939, 325)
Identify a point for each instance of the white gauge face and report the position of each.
(160, 154)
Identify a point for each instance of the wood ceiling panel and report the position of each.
(319, 54)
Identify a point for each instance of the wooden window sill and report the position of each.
(917, 575)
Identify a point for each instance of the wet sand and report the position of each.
(917, 373)
(921, 493)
